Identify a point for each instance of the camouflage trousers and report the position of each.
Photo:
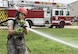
(16, 45)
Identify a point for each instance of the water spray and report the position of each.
(53, 38)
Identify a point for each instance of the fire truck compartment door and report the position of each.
(47, 17)
(38, 21)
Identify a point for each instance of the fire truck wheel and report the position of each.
(62, 24)
(57, 26)
(51, 26)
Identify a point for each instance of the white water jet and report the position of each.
(53, 38)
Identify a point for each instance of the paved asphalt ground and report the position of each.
(69, 27)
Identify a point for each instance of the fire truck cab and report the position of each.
(60, 18)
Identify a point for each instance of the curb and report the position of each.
(69, 27)
(3, 27)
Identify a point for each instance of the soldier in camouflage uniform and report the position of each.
(16, 30)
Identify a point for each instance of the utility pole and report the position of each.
(50, 1)
(53, 0)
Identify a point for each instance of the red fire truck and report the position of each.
(44, 14)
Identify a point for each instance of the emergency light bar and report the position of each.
(46, 3)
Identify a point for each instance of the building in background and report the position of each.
(73, 8)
